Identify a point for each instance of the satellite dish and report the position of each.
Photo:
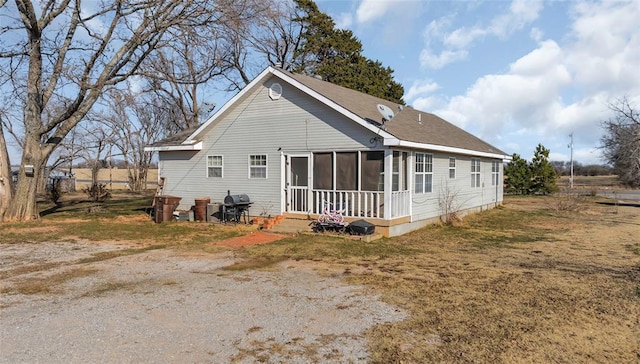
(385, 111)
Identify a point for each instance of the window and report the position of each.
(452, 168)
(258, 166)
(214, 166)
(424, 173)
(475, 172)
(495, 173)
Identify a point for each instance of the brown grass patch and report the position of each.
(47, 284)
(255, 263)
(32, 230)
(132, 218)
(568, 296)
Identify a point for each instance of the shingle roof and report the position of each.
(419, 128)
(175, 139)
(405, 126)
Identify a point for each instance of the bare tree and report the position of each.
(136, 121)
(6, 178)
(176, 72)
(188, 63)
(63, 55)
(278, 35)
(97, 141)
(621, 141)
(272, 38)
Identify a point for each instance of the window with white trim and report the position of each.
(452, 167)
(495, 173)
(475, 172)
(424, 173)
(214, 166)
(258, 166)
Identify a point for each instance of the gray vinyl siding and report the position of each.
(258, 125)
(426, 206)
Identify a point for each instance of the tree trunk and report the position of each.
(6, 179)
(23, 204)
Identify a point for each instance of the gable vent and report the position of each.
(275, 91)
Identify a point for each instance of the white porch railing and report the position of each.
(400, 203)
(351, 203)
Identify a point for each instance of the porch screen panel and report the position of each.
(405, 171)
(399, 177)
(323, 171)
(372, 171)
(347, 171)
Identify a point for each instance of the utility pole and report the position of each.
(571, 146)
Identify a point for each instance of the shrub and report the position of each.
(97, 192)
(569, 202)
(54, 191)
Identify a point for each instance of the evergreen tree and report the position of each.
(517, 177)
(543, 175)
(336, 56)
(535, 177)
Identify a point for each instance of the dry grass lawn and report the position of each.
(520, 284)
(523, 283)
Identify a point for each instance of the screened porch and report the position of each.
(350, 182)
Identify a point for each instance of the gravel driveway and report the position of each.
(172, 307)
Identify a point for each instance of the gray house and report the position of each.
(298, 145)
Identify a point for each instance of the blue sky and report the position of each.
(514, 73)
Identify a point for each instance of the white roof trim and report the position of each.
(445, 149)
(168, 148)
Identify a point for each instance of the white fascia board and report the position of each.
(445, 149)
(168, 148)
(331, 104)
(228, 104)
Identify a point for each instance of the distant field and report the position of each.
(590, 181)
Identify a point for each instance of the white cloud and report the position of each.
(419, 88)
(455, 43)
(370, 10)
(437, 61)
(532, 83)
(605, 54)
(521, 13)
(427, 103)
(536, 34)
(344, 20)
(391, 22)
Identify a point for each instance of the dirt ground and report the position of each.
(176, 307)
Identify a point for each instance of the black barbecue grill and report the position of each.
(235, 207)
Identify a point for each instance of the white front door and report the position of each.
(298, 183)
